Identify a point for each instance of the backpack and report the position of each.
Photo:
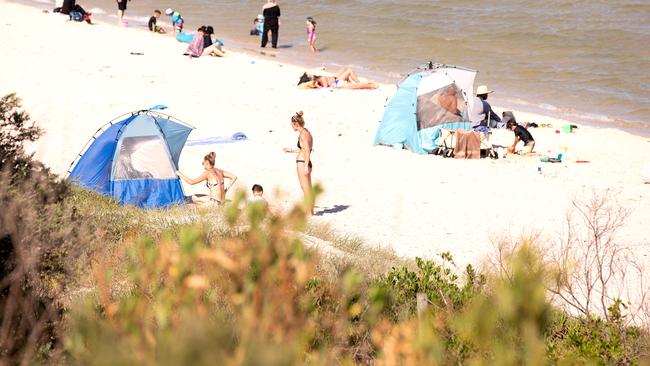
(76, 16)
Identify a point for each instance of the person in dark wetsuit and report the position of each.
(303, 159)
(271, 13)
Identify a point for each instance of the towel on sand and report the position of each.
(468, 145)
(237, 136)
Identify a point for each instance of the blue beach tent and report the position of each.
(432, 97)
(134, 159)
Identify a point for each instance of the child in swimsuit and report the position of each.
(311, 33)
(177, 20)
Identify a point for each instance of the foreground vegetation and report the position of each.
(85, 281)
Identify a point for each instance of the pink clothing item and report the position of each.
(195, 49)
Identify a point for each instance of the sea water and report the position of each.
(584, 60)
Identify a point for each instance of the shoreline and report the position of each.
(386, 77)
(389, 198)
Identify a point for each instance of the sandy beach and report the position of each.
(73, 78)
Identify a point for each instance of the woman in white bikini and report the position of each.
(214, 179)
(303, 159)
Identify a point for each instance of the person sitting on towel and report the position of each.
(521, 133)
(483, 115)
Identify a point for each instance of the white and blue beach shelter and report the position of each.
(434, 96)
(134, 159)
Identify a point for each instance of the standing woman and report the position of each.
(214, 179)
(271, 13)
(303, 159)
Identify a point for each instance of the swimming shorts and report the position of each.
(121, 5)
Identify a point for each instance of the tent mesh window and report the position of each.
(139, 158)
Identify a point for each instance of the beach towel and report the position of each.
(468, 145)
(195, 49)
(237, 136)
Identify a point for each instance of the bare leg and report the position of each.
(120, 15)
(369, 85)
(202, 199)
(305, 184)
(346, 74)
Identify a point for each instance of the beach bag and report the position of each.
(76, 16)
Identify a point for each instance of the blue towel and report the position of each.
(237, 136)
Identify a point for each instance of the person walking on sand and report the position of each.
(121, 7)
(271, 13)
(303, 159)
(311, 33)
(214, 179)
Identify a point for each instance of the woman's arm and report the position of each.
(232, 179)
(192, 182)
(291, 150)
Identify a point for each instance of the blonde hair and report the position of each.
(210, 158)
(297, 119)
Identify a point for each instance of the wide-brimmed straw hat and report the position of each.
(483, 90)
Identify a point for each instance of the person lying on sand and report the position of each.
(343, 79)
(214, 179)
(521, 133)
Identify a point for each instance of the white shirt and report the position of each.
(477, 111)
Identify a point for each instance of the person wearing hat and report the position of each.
(177, 20)
(483, 115)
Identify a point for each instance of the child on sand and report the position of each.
(311, 33)
(152, 22)
(258, 193)
(177, 20)
(521, 133)
(258, 26)
(121, 7)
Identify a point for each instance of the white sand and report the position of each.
(73, 78)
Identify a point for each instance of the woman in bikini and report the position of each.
(214, 179)
(303, 159)
(344, 79)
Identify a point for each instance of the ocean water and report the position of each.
(584, 60)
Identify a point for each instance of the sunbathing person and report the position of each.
(344, 79)
(214, 179)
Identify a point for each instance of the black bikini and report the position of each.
(302, 161)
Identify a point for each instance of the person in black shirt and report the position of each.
(521, 133)
(211, 48)
(153, 20)
(271, 12)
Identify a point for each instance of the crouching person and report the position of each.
(521, 134)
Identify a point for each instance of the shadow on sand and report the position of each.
(332, 210)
